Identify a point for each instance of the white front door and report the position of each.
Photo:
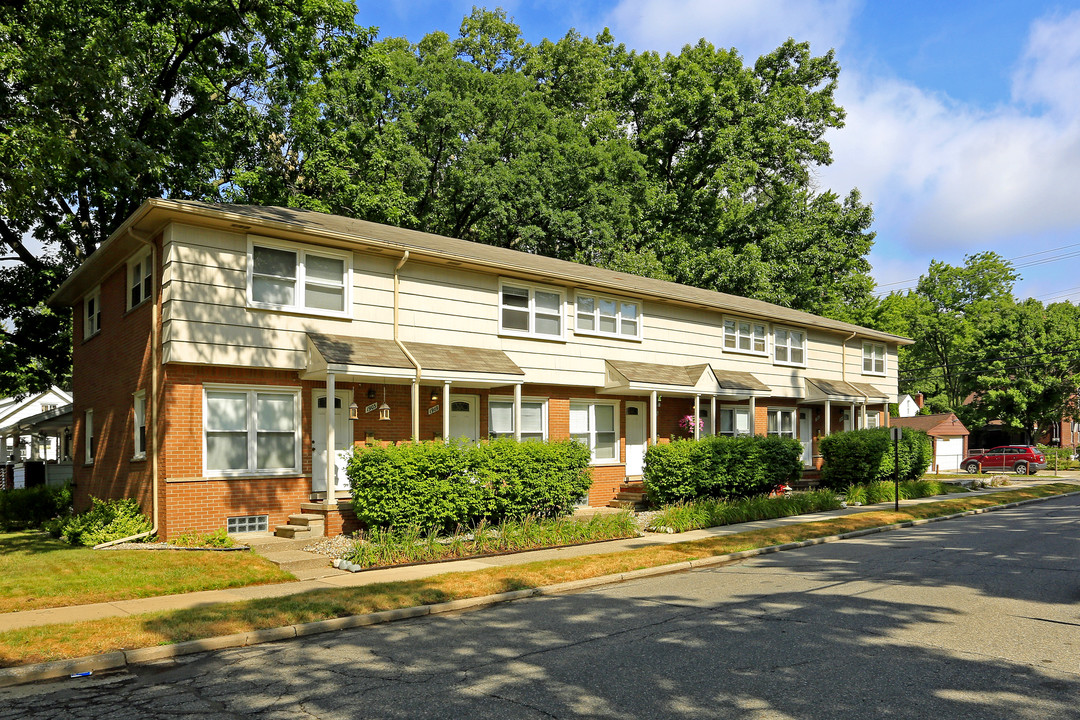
(342, 439)
(635, 439)
(806, 438)
(465, 417)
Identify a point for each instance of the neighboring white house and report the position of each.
(14, 411)
(910, 406)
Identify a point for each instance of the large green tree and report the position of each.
(104, 103)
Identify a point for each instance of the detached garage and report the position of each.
(948, 434)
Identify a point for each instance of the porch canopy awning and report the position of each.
(50, 421)
(371, 360)
(818, 390)
(628, 378)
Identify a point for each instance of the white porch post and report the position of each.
(862, 417)
(828, 417)
(753, 415)
(712, 415)
(517, 412)
(854, 417)
(446, 411)
(697, 414)
(652, 417)
(331, 441)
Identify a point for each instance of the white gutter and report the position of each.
(416, 382)
(151, 410)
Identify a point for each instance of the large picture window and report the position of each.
(531, 311)
(789, 347)
(744, 336)
(533, 419)
(251, 430)
(294, 278)
(873, 362)
(612, 317)
(596, 425)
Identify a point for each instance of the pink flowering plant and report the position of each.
(687, 424)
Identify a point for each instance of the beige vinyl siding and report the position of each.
(206, 320)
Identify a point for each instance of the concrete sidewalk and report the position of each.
(337, 578)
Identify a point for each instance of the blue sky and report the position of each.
(963, 125)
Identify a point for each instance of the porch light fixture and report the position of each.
(371, 393)
(384, 409)
(434, 395)
(354, 411)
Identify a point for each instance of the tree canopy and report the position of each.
(695, 167)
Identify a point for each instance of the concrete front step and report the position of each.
(297, 560)
(296, 532)
(623, 504)
(272, 543)
(630, 495)
(311, 520)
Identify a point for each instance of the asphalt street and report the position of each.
(971, 618)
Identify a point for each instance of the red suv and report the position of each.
(1021, 459)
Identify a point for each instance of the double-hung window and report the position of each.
(782, 423)
(298, 279)
(92, 313)
(530, 311)
(139, 408)
(596, 425)
(612, 317)
(140, 279)
(251, 430)
(789, 347)
(88, 436)
(734, 421)
(873, 358)
(744, 336)
(533, 419)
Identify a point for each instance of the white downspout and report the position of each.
(152, 397)
(409, 355)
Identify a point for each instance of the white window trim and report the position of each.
(617, 460)
(137, 399)
(92, 324)
(249, 472)
(596, 332)
(532, 288)
(737, 408)
(302, 251)
(142, 260)
(884, 359)
(794, 421)
(510, 399)
(788, 330)
(88, 436)
(724, 335)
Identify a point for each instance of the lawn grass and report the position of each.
(37, 571)
(54, 642)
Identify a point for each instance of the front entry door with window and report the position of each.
(806, 438)
(342, 440)
(465, 417)
(635, 439)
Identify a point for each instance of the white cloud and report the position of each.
(754, 28)
(947, 174)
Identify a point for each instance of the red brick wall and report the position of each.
(108, 368)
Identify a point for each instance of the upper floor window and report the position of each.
(92, 313)
(598, 315)
(873, 358)
(140, 279)
(532, 311)
(533, 418)
(292, 278)
(744, 336)
(789, 347)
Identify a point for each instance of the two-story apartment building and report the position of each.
(208, 338)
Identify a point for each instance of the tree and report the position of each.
(104, 103)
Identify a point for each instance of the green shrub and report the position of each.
(32, 507)
(217, 539)
(1061, 458)
(443, 485)
(712, 512)
(720, 466)
(863, 456)
(105, 521)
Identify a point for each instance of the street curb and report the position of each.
(116, 660)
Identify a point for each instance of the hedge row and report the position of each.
(720, 467)
(863, 456)
(440, 485)
(30, 507)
